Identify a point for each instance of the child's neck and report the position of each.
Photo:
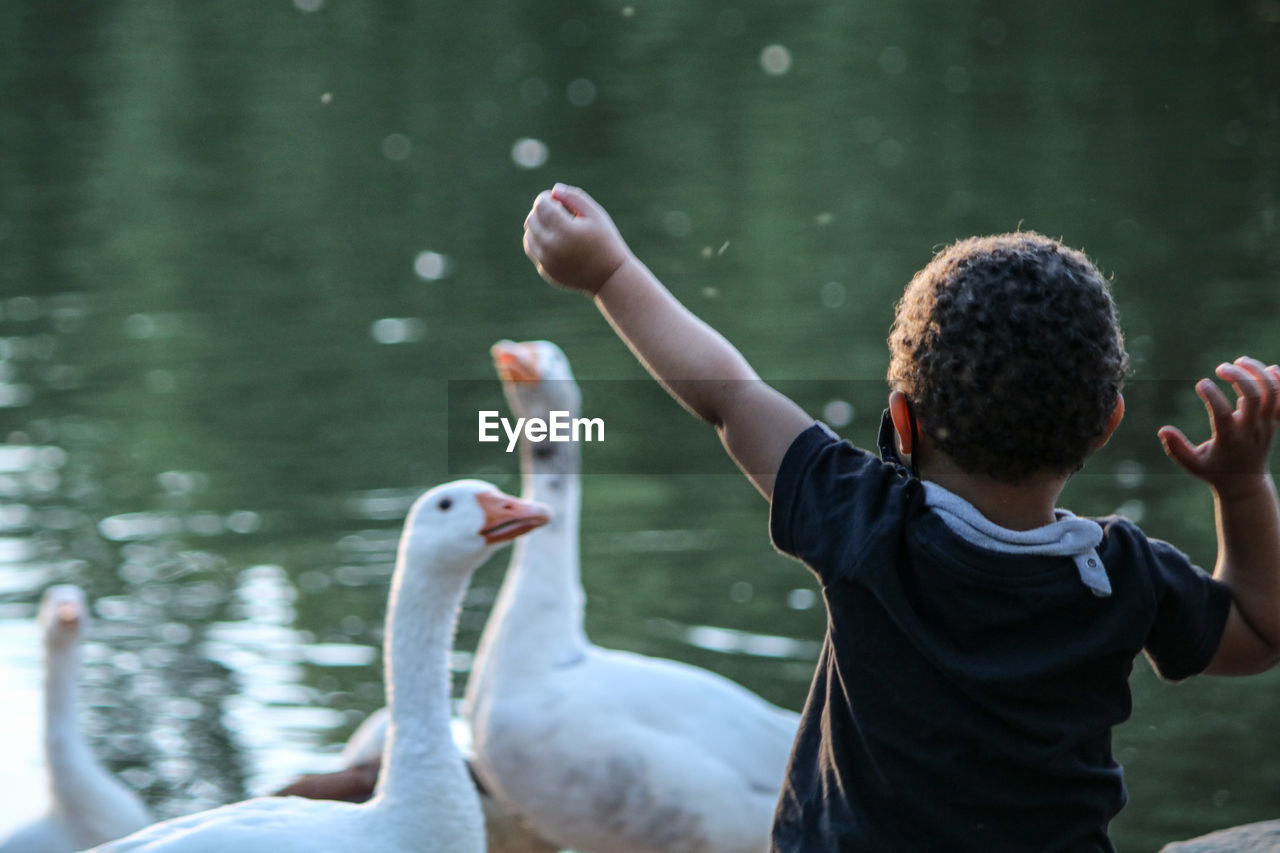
(1021, 506)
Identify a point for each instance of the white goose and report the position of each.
(357, 779)
(606, 751)
(87, 804)
(425, 800)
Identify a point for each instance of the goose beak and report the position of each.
(515, 362)
(68, 614)
(506, 517)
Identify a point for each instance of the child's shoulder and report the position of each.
(819, 452)
(1121, 532)
(829, 494)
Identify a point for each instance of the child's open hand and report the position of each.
(572, 241)
(1241, 438)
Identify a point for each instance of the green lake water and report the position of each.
(253, 255)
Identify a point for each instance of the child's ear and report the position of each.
(900, 413)
(1117, 414)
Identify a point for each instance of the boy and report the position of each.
(979, 640)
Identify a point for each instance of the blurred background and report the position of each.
(253, 255)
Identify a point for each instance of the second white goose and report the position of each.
(605, 751)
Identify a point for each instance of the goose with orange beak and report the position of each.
(424, 798)
(604, 751)
(504, 518)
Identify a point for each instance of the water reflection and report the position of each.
(20, 716)
(726, 640)
(274, 715)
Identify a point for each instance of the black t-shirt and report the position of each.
(964, 699)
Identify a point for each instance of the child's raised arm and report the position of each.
(1234, 464)
(574, 244)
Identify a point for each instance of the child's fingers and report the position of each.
(575, 200)
(533, 248)
(549, 213)
(1266, 385)
(1246, 385)
(1179, 448)
(1273, 373)
(1216, 403)
(531, 221)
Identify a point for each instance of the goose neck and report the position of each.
(422, 615)
(62, 676)
(71, 765)
(547, 460)
(537, 620)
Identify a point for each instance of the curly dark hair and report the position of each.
(1009, 351)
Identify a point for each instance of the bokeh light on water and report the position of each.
(529, 153)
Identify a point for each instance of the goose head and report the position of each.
(456, 526)
(64, 616)
(536, 378)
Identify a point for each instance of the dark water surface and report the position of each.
(252, 257)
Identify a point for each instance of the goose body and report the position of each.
(356, 780)
(606, 751)
(424, 800)
(87, 804)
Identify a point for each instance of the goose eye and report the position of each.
(445, 504)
